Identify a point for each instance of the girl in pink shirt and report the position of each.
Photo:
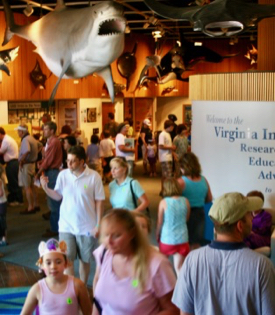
(57, 293)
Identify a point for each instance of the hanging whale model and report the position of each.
(178, 60)
(75, 43)
(219, 18)
(7, 56)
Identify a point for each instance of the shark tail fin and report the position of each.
(9, 22)
(8, 36)
(106, 74)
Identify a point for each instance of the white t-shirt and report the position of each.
(77, 211)
(106, 147)
(9, 148)
(120, 140)
(165, 139)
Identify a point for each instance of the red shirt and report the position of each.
(53, 154)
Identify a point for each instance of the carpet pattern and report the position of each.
(12, 300)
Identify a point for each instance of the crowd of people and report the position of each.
(133, 276)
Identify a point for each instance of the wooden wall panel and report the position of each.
(266, 42)
(20, 87)
(249, 86)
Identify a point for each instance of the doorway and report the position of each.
(107, 108)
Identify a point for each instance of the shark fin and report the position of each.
(106, 75)
(5, 69)
(9, 22)
(65, 67)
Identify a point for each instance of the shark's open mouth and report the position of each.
(227, 28)
(111, 27)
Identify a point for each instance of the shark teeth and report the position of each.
(112, 27)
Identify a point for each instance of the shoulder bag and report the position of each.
(147, 211)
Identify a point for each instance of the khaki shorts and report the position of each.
(167, 169)
(144, 155)
(79, 246)
(26, 175)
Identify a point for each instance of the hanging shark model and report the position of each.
(219, 18)
(7, 56)
(75, 43)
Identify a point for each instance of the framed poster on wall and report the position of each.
(187, 114)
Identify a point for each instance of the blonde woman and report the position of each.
(120, 188)
(131, 277)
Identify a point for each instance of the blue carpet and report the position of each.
(12, 300)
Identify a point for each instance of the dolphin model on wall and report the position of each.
(75, 43)
(7, 56)
(178, 60)
(219, 18)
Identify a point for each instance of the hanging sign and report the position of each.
(24, 105)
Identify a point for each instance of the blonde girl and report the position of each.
(173, 213)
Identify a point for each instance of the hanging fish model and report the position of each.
(218, 18)
(7, 56)
(127, 64)
(75, 43)
(252, 54)
(37, 76)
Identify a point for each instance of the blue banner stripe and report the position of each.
(12, 303)
(13, 295)
(4, 311)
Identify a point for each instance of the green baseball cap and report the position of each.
(231, 207)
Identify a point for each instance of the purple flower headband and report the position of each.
(52, 245)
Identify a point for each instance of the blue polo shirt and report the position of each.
(121, 196)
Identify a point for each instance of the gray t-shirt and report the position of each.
(29, 144)
(226, 278)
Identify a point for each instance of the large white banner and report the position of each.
(235, 142)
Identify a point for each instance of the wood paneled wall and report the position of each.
(19, 86)
(266, 42)
(250, 86)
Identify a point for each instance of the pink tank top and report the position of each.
(57, 304)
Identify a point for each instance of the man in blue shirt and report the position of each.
(226, 277)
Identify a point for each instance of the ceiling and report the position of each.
(136, 13)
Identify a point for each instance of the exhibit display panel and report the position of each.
(235, 142)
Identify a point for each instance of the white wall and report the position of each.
(169, 105)
(87, 127)
(4, 113)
